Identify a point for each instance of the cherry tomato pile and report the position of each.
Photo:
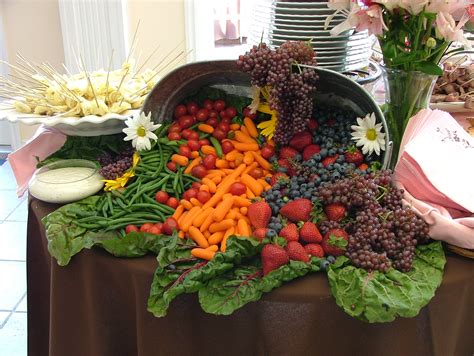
(215, 114)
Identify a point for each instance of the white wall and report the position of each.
(32, 28)
(161, 23)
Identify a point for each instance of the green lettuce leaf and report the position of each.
(65, 238)
(244, 284)
(168, 283)
(428, 68)
(134, 244)
(176, 249)
(378, 297)
(85, 147)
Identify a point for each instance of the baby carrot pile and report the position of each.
(210, 224)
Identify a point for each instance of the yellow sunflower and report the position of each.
(120, 182)
(268, 127)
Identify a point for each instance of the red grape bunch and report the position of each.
(383, 233)
(292, 84)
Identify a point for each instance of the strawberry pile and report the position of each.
(303, 238)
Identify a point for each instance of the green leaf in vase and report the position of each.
(389, 49)
(429, 68)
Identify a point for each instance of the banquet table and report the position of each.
(96, 305)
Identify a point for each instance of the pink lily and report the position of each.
(414, 7)
(447, 6)
(350, 22)
(371, 19)
(446, 28)
(340, 4)
(389, 4)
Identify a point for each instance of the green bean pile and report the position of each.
(136, 204)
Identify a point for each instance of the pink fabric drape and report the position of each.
(23, 161)
(435, 168)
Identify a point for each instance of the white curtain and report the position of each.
(3, 50)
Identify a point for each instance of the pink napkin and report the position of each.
(23, 161)
(435, 168)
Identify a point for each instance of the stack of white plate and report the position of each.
(276, 22)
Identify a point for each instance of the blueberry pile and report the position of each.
(314, 169)
(334, 126)
(333, 135)
(287, 189)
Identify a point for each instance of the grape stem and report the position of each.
(384, 191)
(297, 65)
(385, 216)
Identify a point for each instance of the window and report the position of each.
(217, 29)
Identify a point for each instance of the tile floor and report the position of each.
(13, 216)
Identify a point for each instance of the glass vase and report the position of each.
(406, 93)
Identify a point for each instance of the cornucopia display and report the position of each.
(249, 183)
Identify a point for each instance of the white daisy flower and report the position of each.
(368, 135)
(140, 131)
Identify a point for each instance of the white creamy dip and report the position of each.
(64, 185)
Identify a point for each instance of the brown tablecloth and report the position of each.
(97, 306)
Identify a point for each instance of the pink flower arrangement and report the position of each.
(470, 12)
(413, 34)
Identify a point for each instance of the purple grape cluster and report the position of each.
(326, 225)
(105, 159)
(382, 232)
(358, 191)
(115, 166)
(256, 61)
(292, 83)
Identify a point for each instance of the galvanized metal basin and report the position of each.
(333, 89)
